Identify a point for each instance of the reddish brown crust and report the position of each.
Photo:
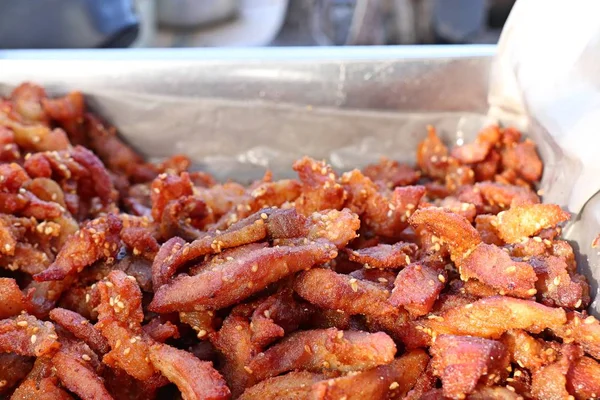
(391, 173)
(555, 286)
(583, 378)
(75, 366)
(462, 362)
(527, 220)
(494, 267)
(232, 281)
(393, 380)
(453, 229)
(295, 385)
(581, 329)
(161, 332)
(96, 240)
(330, 290)
(417, 288)
(197, 380)
(249, 230)
(12, 300)
(27, 336)
(327, 349)
(492, 316)
(234, 342)
(384, 255)
(430, 154)
(13, 368)
(81, 328)
(320, 190)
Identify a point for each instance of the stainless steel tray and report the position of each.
(238, 111)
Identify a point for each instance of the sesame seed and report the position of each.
(109, 284)
(248, 370)
(512, 268)
(394, 385)
(441, 278)
(382, 280)
(589, 320)
(120, 304)
(126, 351)
(340, 334)
(201, 333)
(85, 357)
(87, 297)
(407, 259)
(33, 339)
(117, 344)
(238, 327)
(22, 323)
(531, 292)
(556, 280)
(353, 285)
(132, 340)
(578, 304)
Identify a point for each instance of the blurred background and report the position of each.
(36, 24)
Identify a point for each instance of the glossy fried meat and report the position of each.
(119, 320)
(13, 368)
(462, 362)
(13, 300)
(550, 381)
(451, 228)
(581, 329)
(392, 380)
(432, 155)
(416, 288)
(69, 107)
(128, 280)
(276, 316)
(383, 211)
(117, 155)
(491, 317)
(76, 365)
(81, 328)
(27, 336)
(141, 241)
(320, 189)
(391, 173)
(175, 252)
(583, 378)
(527, 220)
(291, 386)
(525, 350)
(98, 239)
(161, 332)
(234, 343)
(195, 379)
(166, 188)
(523, 159)
(500, 197)
(555, 286)
(232, 281)
(384, 255)
(41, 383)
(477, 151)
(330, 290)
(494, 267)
(322, 350)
